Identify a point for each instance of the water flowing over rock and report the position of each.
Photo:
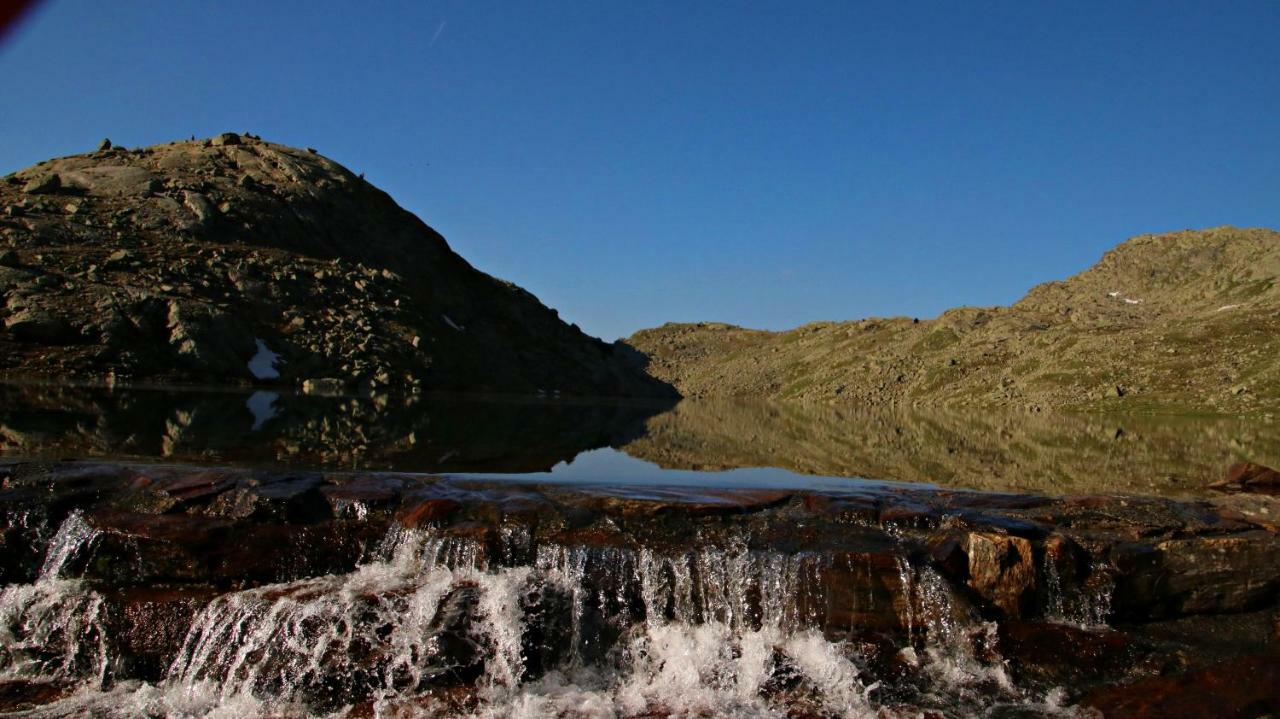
(545, 600)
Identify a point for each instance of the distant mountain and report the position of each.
(1186, 321)
(234, 259)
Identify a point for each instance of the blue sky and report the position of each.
(766, 164)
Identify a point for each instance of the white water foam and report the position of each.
(710, 632)
(52, 629)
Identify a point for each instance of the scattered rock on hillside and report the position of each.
(1186, 321)
(168, 263)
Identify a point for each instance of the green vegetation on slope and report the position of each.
(1180, 322)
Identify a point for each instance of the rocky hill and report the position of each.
(235, 260)
(1187, 321)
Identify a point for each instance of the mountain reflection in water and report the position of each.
(693, 442)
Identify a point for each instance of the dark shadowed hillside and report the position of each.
(183, 262)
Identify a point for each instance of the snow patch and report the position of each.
(263, 406)
(1113, 294)
(1227, 307)
(1128, 301)
(263, 364)
(452, 324)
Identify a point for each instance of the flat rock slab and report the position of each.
(111, 180)
(1154, 558)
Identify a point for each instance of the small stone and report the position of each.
(43, 185)
(9, 258)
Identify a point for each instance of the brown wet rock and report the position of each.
(1249, 477)
(1065, 655)
(859, 591)
(909, 512)
(192, 486)
(844, 508)
(426, 511)
(366, 489)
(948, 553)
(1196, 575)
(20, 694)
(1001, 570)
(210, 526)
(145, 627)
(1257, 509)
(134, 549)
(649, 501)
(1243, 688)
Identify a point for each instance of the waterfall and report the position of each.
(694, 629)
(1084, 604)
(52, 629)
(522, 630)
(75, 537)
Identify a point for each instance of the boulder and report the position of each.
(111, 180)
(1249, 477)
(209, 340)
(41, 327)
(1001, 569)
(200, 207)
(43, 184)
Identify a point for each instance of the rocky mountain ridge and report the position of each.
(1185, 321)
(236, 260)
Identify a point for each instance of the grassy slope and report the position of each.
(1200, 333)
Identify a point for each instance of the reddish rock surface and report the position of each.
(1249, 477)
(1245, 688)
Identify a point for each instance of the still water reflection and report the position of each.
(725, 443)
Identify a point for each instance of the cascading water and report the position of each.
(1086, 606)
(51, 629)
(568, 631)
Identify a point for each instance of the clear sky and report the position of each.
(766, 164)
